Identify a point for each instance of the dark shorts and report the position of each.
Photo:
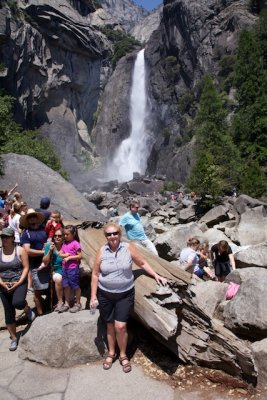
(71, 278)
(40, 279)
(115, 306)
(222, 268)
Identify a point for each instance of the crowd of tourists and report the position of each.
(39, 253)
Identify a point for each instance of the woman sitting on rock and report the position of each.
(113, 286)
(189, 257)
(51, 255)
(222, 258)
(14, 268)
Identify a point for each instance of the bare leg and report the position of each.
(12, 331)
(29, 280)
(38, 302)
(59, 290)
(67, 295)
(111, 337)
(78, 295)
(121, 336)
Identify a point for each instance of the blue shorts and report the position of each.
(71, 278)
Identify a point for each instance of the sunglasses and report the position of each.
(108, 234)
(58, 235)
(6, 237)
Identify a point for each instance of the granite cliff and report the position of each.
(56, 61)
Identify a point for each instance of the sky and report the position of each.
(148, 4)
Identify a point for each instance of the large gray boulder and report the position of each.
(208, 295)
(36, 180)
(246, 313)
(252, 228)
(260, 355)
(244, 202)
(64, 340)
(215, 215)
(170, 244)
(252, 256)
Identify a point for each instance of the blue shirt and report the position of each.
(36, 238)
(133, 226)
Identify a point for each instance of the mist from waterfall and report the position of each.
(133, 152)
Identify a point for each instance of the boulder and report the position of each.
(260, 354)
(187, 214)
(213, 235)
(245, 314)
(252, 256)
(244, 202)
(64, 340)
(252, 228)
(170, 244)
(208, 295)
(215, 215)
(36, 180)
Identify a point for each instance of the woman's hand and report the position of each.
(5, 285)
(12, 286)
(93, 301)
(160, 279)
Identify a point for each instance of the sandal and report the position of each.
(127, 366)
(108, 364)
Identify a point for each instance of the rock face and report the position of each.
(126, 12)
(36, 180)
(143, 30)
(193, 35)
(65, 339)
(245, 314)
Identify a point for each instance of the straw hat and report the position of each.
(24, 218)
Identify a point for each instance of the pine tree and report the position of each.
(216, 169)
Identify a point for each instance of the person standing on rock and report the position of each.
(71, 253)
(14, 267)
(33, 239)
(112, 286)
(222, 257)
(131, 221)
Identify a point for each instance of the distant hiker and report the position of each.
(131, 221)
(32, 240)
(223, 259)
(71, 254)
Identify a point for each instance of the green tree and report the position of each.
(14, 140)
(250, 77)
(216, 169)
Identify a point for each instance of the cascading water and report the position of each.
(133, 152)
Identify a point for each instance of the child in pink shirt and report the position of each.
(71, 254)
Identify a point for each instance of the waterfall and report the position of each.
(133, 152)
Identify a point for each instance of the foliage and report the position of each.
(170, 186)
(166, 133)
(123, 43)
(14, 140)
(186, 101)
(250, 119)
(217, 164)
(172, 69)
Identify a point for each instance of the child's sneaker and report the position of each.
(13, 345)
(63, 308)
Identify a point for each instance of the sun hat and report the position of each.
(7, 232)
(24, 218)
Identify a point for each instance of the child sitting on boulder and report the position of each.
(202, 268)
